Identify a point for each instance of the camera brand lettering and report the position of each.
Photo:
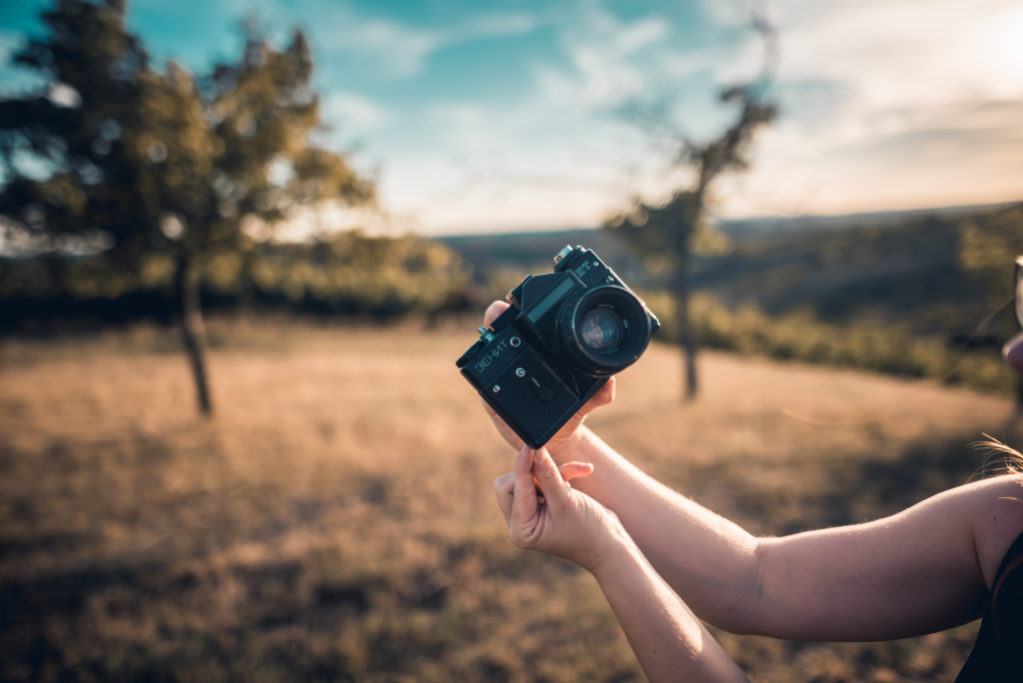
(487, 360)
(567, 332)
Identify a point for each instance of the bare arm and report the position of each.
(669, 640)
(919, 571)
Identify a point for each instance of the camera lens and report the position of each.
(604, 330)
(601, 329)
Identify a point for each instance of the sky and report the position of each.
(486, 115)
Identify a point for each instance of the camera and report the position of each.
(563, 336)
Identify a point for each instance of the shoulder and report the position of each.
(995, 508)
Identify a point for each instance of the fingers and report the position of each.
(575, 470)
(523, 501)
(493, 310)
(549, 479)
(504, 486)
(504, 489)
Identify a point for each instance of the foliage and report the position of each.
(353, 273)
(802, 336)
(143, 161)
(113, 155)
(347, 273)
(988, 243)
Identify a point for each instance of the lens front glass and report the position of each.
(601, 329)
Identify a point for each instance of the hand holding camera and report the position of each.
(562, 439)
(556, 345)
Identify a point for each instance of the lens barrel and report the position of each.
(604, 330)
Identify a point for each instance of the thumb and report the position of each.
(548, 478)
(522, 511)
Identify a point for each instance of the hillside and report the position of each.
(896, 268)
(336, 520)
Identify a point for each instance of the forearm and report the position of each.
(668, 639)
(703, 556)
(915, 572)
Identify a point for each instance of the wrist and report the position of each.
(614, 553)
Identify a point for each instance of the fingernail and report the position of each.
(545, 463)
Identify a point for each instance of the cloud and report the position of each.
(355, 114)
(950, 136)
(890, 104)
(960, 154)
(599, 46)
(885, 104)
(402, 49)
(492, 26)
(534, 165)
(555, 157)
(899, 53)
(473, 199)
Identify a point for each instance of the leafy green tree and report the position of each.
(666, 235)
(115, 155)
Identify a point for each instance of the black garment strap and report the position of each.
(994, 657)
(1010, 561)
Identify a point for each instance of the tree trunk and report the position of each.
(193, 331)
(685, 334)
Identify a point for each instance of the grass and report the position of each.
(335, 520)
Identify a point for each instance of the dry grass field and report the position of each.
(335, 520)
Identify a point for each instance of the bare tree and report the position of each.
(667, 234)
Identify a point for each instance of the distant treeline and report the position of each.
(350, 274)
(917, 294)
(904, 269)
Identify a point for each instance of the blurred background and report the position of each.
(242, 244)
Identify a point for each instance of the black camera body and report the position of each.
(563, 336)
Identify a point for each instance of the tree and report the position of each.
(111, 154)
(665, 235)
